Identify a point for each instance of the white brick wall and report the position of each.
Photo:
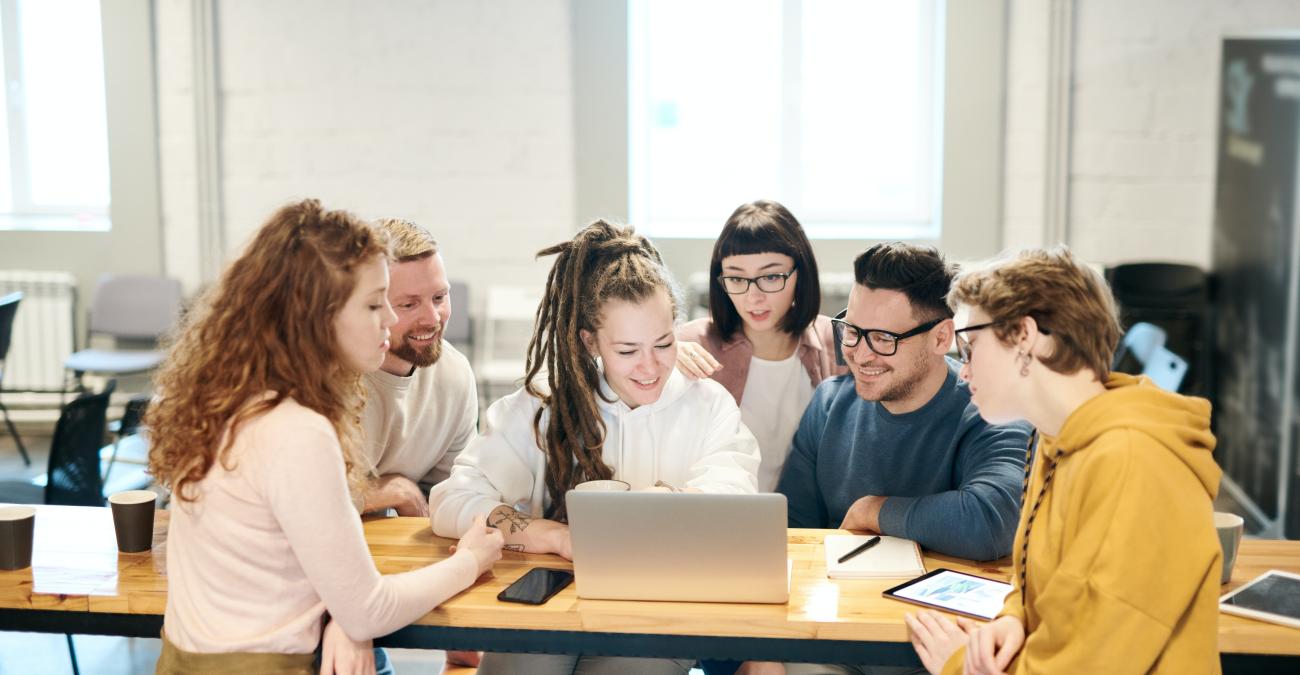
(1144, 116)
(454, 114)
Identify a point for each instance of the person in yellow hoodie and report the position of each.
(1116, 561)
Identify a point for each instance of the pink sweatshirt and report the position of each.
(275, 541)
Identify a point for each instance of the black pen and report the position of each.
(865, 545)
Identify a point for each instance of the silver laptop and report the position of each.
(691, 547)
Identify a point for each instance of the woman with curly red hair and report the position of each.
(256, 433)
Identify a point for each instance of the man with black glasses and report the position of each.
(896, 446)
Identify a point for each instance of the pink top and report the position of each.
(817, 350)
(274, 542)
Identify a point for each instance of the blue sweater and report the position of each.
(952, 480)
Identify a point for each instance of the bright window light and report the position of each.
(55, 136)
(833, 107)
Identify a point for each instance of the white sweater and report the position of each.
(691, 437)
(274, 542)
(415, 426)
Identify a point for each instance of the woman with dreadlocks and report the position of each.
(602, 399)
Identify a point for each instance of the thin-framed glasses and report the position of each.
(964, 347)
(768, 283)
(882, 342)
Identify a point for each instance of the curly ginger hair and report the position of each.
(266, 326)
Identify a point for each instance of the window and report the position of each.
(833, 107)
(54, 171)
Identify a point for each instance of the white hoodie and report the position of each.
(691, 437)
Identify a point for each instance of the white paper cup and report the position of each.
(603, 486)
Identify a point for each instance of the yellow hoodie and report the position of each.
(1123, 559)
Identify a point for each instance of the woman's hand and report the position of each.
(695, 361)
(341, 655)
(991, 647)
(531, 535)
(935, 638)
(482, 542)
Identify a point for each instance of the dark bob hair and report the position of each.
(765, 227)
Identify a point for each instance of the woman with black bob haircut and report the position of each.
(765, 340)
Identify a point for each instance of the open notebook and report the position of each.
(892, 557)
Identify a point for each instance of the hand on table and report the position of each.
(482, 542)
(398, 492)
(864, 515)
(935, 637)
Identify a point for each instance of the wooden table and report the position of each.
(79, 583)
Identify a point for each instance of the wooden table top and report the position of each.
(76, 567)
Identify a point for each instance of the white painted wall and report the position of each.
(454, 114)
(459, 115)
(1144, 122)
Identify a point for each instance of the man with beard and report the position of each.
(895, 446)
(421, 406)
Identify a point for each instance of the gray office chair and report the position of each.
(8, 310)
(129, 309)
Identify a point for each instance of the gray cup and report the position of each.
(133, 519)
(1229, 526)
(17, 527)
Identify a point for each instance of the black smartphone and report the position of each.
(537, 586)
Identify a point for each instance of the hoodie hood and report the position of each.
(1180, 424)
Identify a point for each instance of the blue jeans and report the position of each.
(382, 666)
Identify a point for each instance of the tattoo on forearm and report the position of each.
(505, 515)
(514, 548)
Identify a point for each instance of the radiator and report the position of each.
(44, 329)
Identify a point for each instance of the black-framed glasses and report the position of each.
(768, 283)
(882, 342)
(964, 346)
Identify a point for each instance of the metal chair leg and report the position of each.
(72, 654)
(17, 439)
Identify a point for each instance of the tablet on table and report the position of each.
(956, 592)
(1272, 596)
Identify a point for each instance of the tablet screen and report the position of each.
(1272, 593)
(955, 592)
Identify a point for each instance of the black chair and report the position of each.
(73, 477)
(9, 310)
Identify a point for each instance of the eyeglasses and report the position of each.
(964, 346)
(882, 342)
(768, 283)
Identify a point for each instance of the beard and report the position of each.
(904, 384)
(420, 357)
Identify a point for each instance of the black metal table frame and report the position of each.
(575, 642)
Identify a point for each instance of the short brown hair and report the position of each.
(1065, 297)
(407, 240)
(765, 226)
(919, 272)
